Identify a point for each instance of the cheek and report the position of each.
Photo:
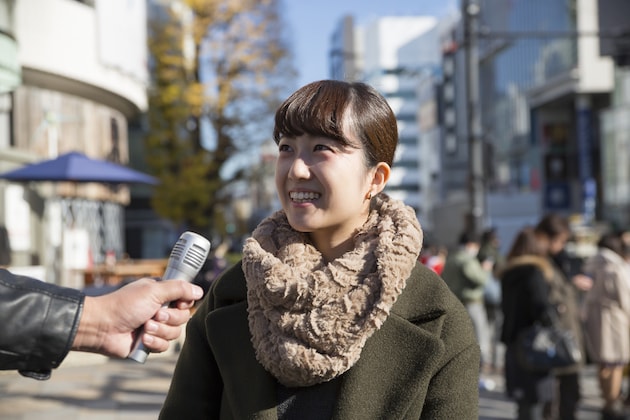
(280, 175)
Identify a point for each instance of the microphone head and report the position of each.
(187, 257)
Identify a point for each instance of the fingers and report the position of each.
(178, 290)
(165, 326)
(157, 335)
(172, 316)
(154, 343)
(180, 304)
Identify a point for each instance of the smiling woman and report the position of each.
(330, 314)
(323, 157)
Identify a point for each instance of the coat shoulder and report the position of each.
(426, 295)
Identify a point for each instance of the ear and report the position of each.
(380, 177)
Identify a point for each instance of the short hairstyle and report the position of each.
(489, 235)
(326, 107)
(468, 237)
(553, 225)
(613, 242)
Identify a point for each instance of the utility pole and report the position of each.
(476, 184)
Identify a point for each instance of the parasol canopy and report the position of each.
(77, 167)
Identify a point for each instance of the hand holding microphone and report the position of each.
(186, 259)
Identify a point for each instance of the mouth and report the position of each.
(303, 196)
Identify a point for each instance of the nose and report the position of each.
(299, 169)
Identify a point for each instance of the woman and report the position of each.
(526, 282)
(607, 320)
(329, 315)
(554, 232)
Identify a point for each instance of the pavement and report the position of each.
(494, 404)
(93, 387)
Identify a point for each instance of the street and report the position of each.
(92, 387)
(495, 405)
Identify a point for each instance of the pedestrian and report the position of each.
(526, 283)
(42, 322)
(437, 260)
(490, 250)
(330, 315)
(606, 313)
(467, 277)
(434, 257)
(554, 231)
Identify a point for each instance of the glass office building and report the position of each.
(542, 84)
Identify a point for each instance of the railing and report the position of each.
(111, 275)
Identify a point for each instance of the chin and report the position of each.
(301, 227)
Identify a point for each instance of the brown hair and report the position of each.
(526, 243)
(553, 225)
(321, 108)
(612, 241)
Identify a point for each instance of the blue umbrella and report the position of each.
(77, 167)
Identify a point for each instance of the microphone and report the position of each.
(186, 259)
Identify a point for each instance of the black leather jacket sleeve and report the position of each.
(39, 323)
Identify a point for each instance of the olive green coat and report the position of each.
(422, 364)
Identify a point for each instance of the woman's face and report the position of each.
(323, 187)
(557, 243)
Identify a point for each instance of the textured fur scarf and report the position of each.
(310, 319)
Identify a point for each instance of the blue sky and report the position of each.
(311, 23)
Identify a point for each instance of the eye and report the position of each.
(320, 147)
(284, 147)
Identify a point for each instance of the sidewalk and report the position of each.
(89, 387)
(494, 405)
(92, 387)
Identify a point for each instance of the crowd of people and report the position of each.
(536, 281)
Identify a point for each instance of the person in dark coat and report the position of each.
(525, 283)
(330, 315)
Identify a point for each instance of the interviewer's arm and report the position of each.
(109, 322)
(42, 322)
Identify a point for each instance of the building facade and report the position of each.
(394, 54)
(78, 83)
(542, 84)
(615, 124)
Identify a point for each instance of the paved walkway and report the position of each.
(92, 387)
(494, 405)
(89, 387)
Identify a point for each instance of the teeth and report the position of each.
(304, 196)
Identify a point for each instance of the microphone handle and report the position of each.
(139, 352)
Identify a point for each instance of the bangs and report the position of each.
(317, 110)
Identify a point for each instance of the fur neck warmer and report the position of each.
(542, 263)
(310, 319)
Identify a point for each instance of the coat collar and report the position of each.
(366, 388)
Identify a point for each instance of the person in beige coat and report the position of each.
(329, 315)
(606, 314)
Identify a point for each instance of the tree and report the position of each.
(219, 70)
